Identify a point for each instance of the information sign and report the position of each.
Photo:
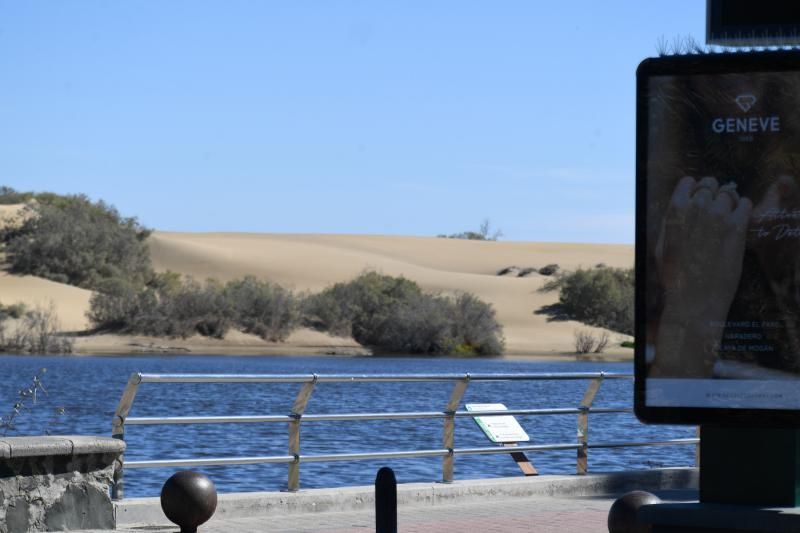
(499, 429)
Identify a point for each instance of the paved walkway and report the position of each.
(535, 514)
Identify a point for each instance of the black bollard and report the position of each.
(385, 501)
(622, 515)
(188, 499)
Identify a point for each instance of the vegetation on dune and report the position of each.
(16, 310)
(390, 314)
(70, 239)
(484, 233)
(393, 314)
(602, 296)
(10, 196)
(171, 307)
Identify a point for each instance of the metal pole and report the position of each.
(697, 446)
(300, 403)
(118, 432)
(582, 465)
(385, 501)
(448, 437)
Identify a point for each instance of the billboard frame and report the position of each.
(687, 65)
(774, 33)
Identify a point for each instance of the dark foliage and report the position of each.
(263, 308)
(9, 195)
(484, 233)
(173, 308)
(71, 239)
(601, 297)
(392, 314)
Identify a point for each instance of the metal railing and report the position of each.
(449, 414)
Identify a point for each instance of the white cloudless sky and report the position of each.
(329, 116)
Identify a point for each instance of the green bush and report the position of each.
(263, 308)
(484, 233)
(475, 326)
(16, 310)
(196, 308)
(602, 297)
(170, 307)
(8, 196)
(71, 239)
(392, 314)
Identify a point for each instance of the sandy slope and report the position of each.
(10, 213)
(311, 262)
(70, 303)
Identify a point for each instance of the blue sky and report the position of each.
(404, 117)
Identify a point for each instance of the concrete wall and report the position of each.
(56, 483)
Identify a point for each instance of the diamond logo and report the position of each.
(745, 102)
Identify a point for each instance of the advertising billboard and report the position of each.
(745, 23)
(718, 239)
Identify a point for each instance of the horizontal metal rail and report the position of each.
(211, 461)
(308, 382)
(169, 420)
(370, 378)
(668, 442)
(442, 452)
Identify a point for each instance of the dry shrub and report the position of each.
(588, 342)
(36, 332)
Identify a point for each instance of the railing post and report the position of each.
(697, 447)
(299, 407)
(118, 432)
(582, 465)
(448, 439)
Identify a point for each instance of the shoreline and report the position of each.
(304, 345)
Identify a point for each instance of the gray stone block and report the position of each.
(88, 444)
(16, 515)
(39, 446)
(80, 507)
(57, 483)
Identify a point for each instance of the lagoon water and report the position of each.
(88, 389)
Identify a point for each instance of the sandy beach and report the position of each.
(311, 262)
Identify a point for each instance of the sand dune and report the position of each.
(312, 262)
(70, 303)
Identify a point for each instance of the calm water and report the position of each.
(89, 388)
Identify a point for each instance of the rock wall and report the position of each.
(56, 483)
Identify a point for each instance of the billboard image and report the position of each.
(718, 237)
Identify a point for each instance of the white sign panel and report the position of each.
(499, 429)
